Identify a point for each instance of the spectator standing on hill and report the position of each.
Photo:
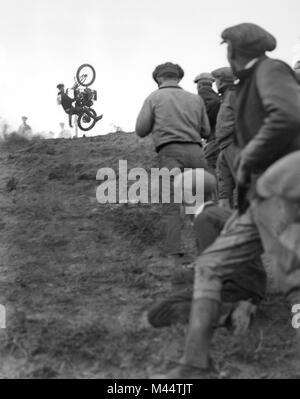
(177, 121)
(64, 133)
(212, 103)
(225, 131)
(24, 129)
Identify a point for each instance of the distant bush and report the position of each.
(15, 139)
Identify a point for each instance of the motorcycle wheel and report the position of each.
(85, 122)
(86, 75)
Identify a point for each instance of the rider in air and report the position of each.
(67, 103)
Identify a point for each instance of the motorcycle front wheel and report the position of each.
(86, 75)
(85, 122)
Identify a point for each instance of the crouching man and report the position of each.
(241, 291)
(267, 129)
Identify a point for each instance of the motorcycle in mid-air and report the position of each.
(84, 96)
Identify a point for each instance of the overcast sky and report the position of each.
(42, 42)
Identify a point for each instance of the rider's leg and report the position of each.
(70, 119)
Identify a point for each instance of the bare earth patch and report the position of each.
(76, 277)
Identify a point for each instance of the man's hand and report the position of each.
(243, 175)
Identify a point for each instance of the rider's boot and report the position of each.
(91, 115)
(98, 118)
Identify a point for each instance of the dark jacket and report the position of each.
(267, 113)
(225, 127)
(212, 104)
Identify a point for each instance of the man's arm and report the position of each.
(280, 95)
(226, 183)
(225, 127)
(145, 119)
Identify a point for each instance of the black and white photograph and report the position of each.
(149, 192)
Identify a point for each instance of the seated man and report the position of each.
(244, 289)
(67, 104)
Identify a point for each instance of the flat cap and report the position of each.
(60, 85)
(168, 67)
(281, 179)
(205, 77)
(249, 38)
(225, 74)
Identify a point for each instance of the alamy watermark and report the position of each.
(296, 317)
(157, 186)
(2, 317)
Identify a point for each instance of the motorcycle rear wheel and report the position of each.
(85, 122)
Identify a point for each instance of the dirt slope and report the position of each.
(77, 276)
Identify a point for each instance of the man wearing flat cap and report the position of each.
(24, 129)
(212, 103)
(225, 129)
(178, 121)
(267, 129)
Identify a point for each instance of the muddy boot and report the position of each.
(242, 316)
(175, 309)
(195, 362)
(204, 314)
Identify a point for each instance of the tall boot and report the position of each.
(195, 362)
(204, 315)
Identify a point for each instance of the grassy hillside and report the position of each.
(76, 277)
